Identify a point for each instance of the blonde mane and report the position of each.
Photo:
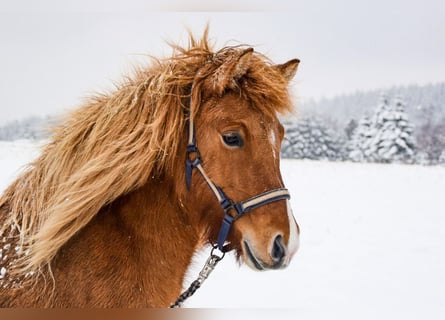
(116, 142)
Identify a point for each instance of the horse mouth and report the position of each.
(256, 263)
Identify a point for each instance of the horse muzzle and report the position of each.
(276, 254)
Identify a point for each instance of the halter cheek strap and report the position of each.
(239, 209)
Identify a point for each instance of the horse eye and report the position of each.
(233, 139)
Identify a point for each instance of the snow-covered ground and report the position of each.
(372, 240)
(372, 244)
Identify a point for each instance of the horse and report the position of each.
(136, 180)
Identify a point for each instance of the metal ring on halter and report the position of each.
(218, 257)
(192, 149)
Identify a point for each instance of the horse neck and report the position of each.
(162, 234)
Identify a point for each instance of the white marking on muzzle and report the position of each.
(294, 237)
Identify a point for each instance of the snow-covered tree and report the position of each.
(394, 139)
(421, 101)
(430, 138)
(359, 138)
(422, 158)
(441, 159)
(350, 128)
(386, 137)
(310, 138)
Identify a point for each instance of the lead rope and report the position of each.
(210, 264)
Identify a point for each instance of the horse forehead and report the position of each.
(232, 107)
(233, 104)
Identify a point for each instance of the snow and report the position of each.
(372, 244)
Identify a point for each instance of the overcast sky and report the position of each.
(53, 54)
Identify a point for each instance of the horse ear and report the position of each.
(243, 63)
(235, 66)
(288, 69)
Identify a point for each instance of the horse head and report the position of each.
(235, 140)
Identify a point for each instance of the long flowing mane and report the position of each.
(116, 142)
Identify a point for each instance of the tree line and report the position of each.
(385, 135)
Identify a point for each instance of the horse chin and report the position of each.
(250, 259)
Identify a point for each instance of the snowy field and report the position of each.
(372, 245)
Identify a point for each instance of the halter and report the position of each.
(193, 161)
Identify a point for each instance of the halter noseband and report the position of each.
(194, 161)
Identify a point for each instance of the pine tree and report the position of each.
(381, 115)
(431, 139)
(441, 159)
(422, 158)
(388, 137)
(394, 140)
(359, 138)
(310, 138)
(350, 128)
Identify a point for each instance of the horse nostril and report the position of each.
(278, 251)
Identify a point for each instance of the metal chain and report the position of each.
(210, 264)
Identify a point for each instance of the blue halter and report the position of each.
(232, 210)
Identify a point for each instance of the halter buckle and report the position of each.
(191, 163)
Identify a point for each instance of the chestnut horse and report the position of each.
(104, 217)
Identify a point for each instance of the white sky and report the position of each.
(53, 55)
